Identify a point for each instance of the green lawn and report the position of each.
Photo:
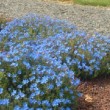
(93, 2)
(90, 2)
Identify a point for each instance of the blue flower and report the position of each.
(1, 90)
(51, 86)
(56, 102)
(17, 107)
(19, 86)
(21, 94)
(13, 93)
(44, 80)
(4, 101)
(9, 75)
(46, 102)
(28, 66)
(19, 72)
(14, 64)
(32, 78)
(25, 81)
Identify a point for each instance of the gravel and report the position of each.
(88, 18)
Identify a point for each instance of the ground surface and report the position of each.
(96, 94)
(88, 18)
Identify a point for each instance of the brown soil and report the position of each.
(96, 94)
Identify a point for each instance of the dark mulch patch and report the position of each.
(96, 94)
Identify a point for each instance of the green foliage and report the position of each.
(93, 2)
(40, 59)
(3, 21)
(29, 72)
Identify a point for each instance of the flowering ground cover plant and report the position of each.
(40, 59)
(90, 57)
(31, 78)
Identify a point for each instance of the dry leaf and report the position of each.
(88, 98)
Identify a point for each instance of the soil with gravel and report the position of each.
(88, 18)
(96, 92)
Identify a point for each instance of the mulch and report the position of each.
(96, 94)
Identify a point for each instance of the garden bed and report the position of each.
(31, 41)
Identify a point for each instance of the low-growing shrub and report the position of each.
(89, 57)
(36, 80)
(40, 59)
(31, 77)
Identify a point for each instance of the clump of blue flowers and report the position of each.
(40, 59)
(33, 75)
(89, 57)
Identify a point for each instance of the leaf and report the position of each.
(88, 98)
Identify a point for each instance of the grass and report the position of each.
(90, 2)
(93, 2)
